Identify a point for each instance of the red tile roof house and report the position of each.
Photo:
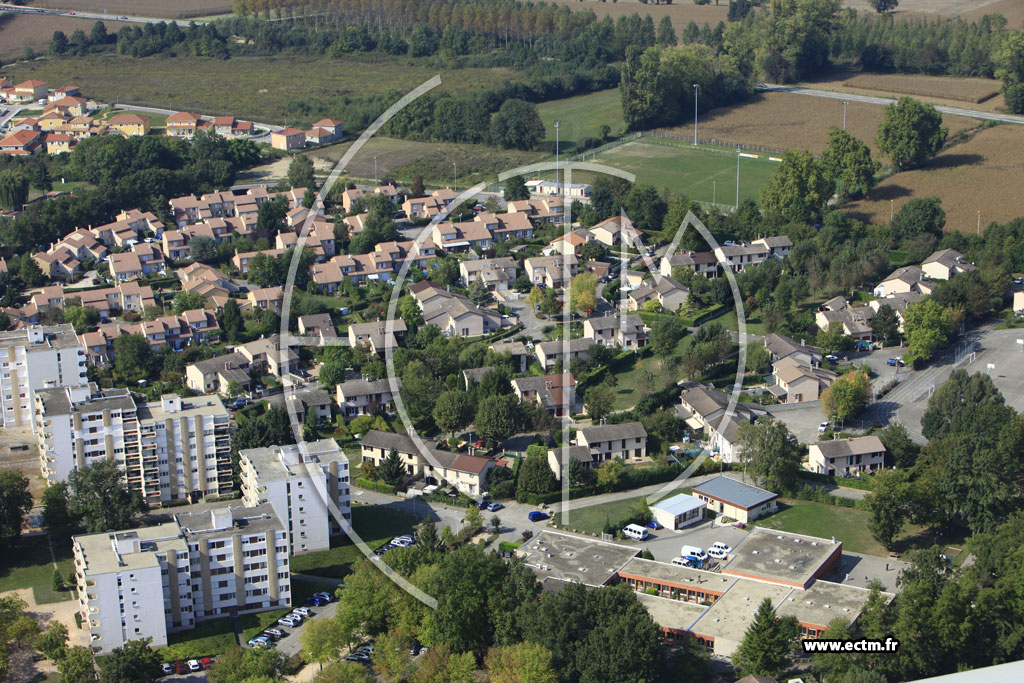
(58, 143)
(60, 261)
(318, 136)
(29, 91)
(22, 143)
(288, 139)
(331, 126)
(64, 91)
(182, 124)
(241, 260)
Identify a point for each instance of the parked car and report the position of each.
(194, 665)
(180, 667)
(483, 504)
(356, 657)
(167, 668)
(823, 427)
(494, 507)
(206, 662)
(288, 620)
(479, 443)
(326, 596)
(415, 647)
(895, 362)
(303, 612)
(316, 601)
(274, 633)
(831, 358)
(653, 524)
(259, 641)
(537, 516)
(717, 553)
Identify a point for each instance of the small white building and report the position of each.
(846, 456)
(678, 512)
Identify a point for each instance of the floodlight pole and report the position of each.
(558, 185)
(737, 177)
(844, 113)
(456, 167)
(696, 90)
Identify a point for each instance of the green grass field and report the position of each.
(633, 381)
(703, 174)
(259, 88)
(375, 525)
(581, 117)
(30, 565)
(437, 162)
(591, 519)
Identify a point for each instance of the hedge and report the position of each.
(861, 484)
(378, 486)
(630, 479)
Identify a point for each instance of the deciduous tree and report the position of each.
(911, 133)
(100, 495)
(847, 162)
(521, 663)
(599, 401)
(517, 125)
(769, 453)
(453, 411)
(847, 395)
(798, 189)
(15, 502)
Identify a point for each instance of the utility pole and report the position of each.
(696, 89)
(374, 170)
(737, 177)
(979, 222)
(844, 113)
(558, 184)
(714, 191)
(456, 166)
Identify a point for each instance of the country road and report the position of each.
(867, 99)
(30, 11)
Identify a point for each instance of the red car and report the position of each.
(180, 667)
(206, 663)
(478, 444)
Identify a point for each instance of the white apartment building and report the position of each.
(35, 358)
(202, 565)
(174, 449)
(307, 484)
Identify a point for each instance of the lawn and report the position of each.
(61, 187)
(374, 524)
(581, 117)
(437, 162)
(30, 565)
(591, 519)
(848, 525)
(253, 624)
(704, 174)
(633, 381)
(270, 89)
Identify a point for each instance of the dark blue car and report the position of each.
(537, 516)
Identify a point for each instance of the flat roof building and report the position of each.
(736, 500)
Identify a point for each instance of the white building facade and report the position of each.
(36, 358)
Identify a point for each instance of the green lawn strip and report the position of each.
(592, 519)
(207, 639)
(375, 525)
(581, 117)
(628, 389)
(30, 565)
(254, 624)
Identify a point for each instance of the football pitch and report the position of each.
(704, 174)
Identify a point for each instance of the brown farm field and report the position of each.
(930, 8)
(1013, 10)
(402, 159)
(983, 173)
(787, 120)
(179, 9)
(680, 13)
(981, 93)
(18, 31)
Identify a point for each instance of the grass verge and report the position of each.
(374, 524)
(30, 565)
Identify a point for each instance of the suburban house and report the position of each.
(549, 353)
(466, 473)
(182, 124)
(701, 262)
(288, 139)
(459, 237)
(898, 303)
(497, 274)
(568, 243)
(423, 207)
(731, 498)
(517, 350)
(553, 271)
(367, 396)
(29, 91)
(213, 375)
(555, 393)
(454, 314)
(22, 143)
(736, 257)
(706, 410)
(855, 320)
(665, 290)
(547, 210)
(108, 302)
(349, 198)
(267, 355)
(796, 381)
(377, 335)
(266, 298)
(846, 457)
(945, 263)
(129, 124)
(626, 331)
(679, 511)
(626, 441)
(550, 187)
(780, 346)
(906, 279)
(318, 325)
(615, 230)
(778, 246)
(503, 226)
(568, 453)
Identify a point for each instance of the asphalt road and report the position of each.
(102, 16)
(867, 99)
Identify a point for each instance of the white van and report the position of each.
(695, 552)
(636, 531)
(681, 562)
